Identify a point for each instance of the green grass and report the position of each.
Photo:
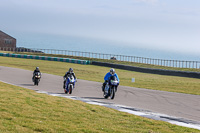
(23, 110)
(97, 73)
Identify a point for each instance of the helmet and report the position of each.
(37, 68)
(71, 70)
(112, 71)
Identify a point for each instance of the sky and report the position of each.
(171, 25)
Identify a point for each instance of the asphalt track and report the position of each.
(173, 104)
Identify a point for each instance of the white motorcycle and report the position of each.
(69, 85)
(111, 87)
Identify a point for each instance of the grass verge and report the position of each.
(23, 110)
(97, 73)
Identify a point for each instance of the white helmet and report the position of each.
(112, 71)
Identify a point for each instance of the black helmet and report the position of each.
(71, 70)
(112, 71)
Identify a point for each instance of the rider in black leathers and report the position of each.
(36, 70)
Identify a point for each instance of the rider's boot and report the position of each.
(116, 88)
(64, 84)
(103, 88)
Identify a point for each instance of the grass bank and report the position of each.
(23, 110)
(97, 73)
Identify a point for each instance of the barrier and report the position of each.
(134, 59)
(69, 60)
(150, 70)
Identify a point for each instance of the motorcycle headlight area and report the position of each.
(114, 82)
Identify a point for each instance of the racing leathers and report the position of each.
(36, 70)
(106, 79)
(65, 78)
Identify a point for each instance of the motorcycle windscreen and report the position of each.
(113, 78)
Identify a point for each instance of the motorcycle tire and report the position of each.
(112, 93)
(37, 81)
(70, 89)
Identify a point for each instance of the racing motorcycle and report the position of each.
(69, 84)
(111, 87)
(36, 78)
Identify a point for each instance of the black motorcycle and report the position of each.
(111, 87)
(36, 78)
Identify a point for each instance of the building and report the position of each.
(7, 41)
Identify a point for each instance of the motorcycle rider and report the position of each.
(36, 70)
(69, 73)
(107, 77)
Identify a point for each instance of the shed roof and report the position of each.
(6, 34)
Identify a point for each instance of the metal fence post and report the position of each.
(189, 63)
(196, 66)
(186, 64)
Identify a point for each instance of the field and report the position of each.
(23, 110)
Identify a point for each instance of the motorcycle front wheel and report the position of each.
(36, 82)
(70, 89)
(112, 92)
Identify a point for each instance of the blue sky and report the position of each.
(172, 25)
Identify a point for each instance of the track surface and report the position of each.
(174, 104)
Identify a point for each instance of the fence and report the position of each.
(134, 59)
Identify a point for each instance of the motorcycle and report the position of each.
(36, 78)
(69, 84)
(111, 87)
